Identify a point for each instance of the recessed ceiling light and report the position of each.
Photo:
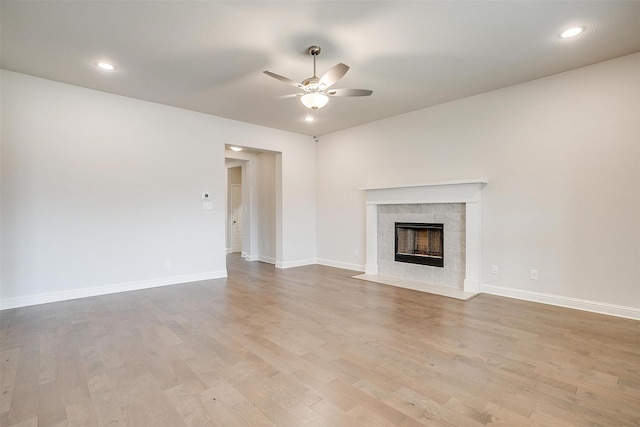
(309, 119)
(571, 32)
(105, 66)
(236, 148)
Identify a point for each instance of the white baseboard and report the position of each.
(267, 259)
(568, 302)
(295, 263)
(340, 264)
(249, 257)
(70, 294)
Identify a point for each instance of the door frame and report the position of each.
(248, 161)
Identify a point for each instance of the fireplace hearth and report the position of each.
(419, 243)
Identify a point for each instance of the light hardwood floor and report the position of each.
(312, 346)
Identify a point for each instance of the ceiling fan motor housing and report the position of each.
(312, 83)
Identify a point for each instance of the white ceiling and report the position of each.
(208, 56)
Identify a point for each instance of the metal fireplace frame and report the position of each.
(420, 259)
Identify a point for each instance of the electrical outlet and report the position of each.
(534, 275)
(167, 262)
(494, 269)
(355, 253)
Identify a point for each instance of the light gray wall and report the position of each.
(562, 158)
(99, 190)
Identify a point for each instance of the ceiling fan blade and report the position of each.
(349, 92)
(284, 79)
(333, 75)
(293, 95)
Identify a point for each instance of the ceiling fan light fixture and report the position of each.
(314, 100)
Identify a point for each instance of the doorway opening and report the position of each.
(254, 190)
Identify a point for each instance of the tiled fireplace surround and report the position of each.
(456, 204)
(451, 215)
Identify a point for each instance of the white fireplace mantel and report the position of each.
(468, 192)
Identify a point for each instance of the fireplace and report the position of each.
(427, 203)
(419, 243)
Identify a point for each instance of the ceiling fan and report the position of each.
(316, 90)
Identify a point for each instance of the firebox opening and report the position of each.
(418, 243)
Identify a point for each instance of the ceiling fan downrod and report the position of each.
(314, 51)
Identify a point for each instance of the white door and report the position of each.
(236, 218)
